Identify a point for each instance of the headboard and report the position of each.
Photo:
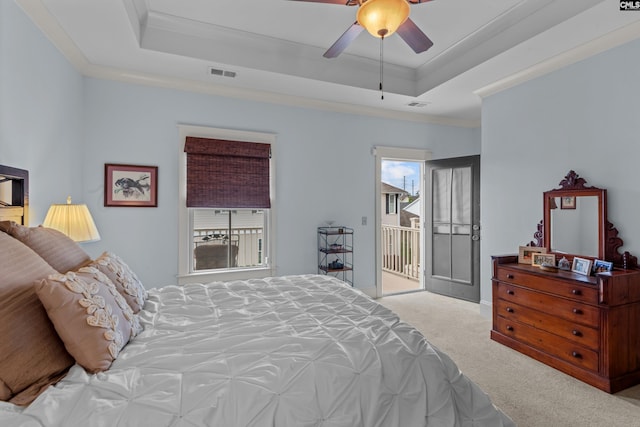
(14, 194)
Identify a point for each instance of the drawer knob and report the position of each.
(510, 328)
(510, 292)
(509, 310)
(576, 333)
(509, 276)
(577, 311)
(576, 355)
(576, 292)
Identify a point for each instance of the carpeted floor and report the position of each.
(531, 393)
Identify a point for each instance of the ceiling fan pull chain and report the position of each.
(381, 66)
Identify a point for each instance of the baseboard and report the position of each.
(371, 291)
(486, 309)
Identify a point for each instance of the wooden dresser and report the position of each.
(585, 326)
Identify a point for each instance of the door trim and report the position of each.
(392, 153)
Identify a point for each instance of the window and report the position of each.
(226, 186)
(224, 239)
(391, 203)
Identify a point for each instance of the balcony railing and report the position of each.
(401, 251)
(217, 248)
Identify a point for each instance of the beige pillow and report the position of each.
(126, 281)
(91, 317)
(31, 353)
(5, 391)
(54, 247)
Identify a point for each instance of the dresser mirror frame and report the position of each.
(574, 187)
(608, 241)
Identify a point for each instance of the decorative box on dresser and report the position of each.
(585, 326)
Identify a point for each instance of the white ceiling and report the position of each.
(275, 48)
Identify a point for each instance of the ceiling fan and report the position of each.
(381, 18)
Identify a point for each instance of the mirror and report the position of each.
(575, 225)
(575, 218)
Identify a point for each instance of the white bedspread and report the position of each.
(290, 351)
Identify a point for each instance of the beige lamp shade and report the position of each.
(73, 220)
(382, 18)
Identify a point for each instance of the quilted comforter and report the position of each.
(286, 351)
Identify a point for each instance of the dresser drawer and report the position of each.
(564, 288)
(549, 343)
(559, 307)
(580, 334)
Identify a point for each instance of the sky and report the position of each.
(404, 175)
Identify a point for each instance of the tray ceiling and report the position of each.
(272, 49)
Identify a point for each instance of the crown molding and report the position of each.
(40, 16)
(135, 77)
(608, 41)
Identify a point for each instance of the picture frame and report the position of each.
(130, 185)
(525, 253)
(601, 266)
(568, 202)
(538, 259)
(581, 266)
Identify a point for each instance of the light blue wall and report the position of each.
(41, 112)
(585, 117)
(324, 169)
(64, 128)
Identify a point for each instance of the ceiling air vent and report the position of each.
(417, 104)
(223, 73)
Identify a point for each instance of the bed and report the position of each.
(303, 350)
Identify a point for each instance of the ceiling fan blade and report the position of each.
(344, 41)
(342, 2)
(414, 37)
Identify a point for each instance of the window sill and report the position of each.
(226, 275)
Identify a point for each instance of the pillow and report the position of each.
(125, 280)
(5, 391)
(91, 317)
(33, 356)
(54, 247)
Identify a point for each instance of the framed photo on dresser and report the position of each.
(601, 266)
(525, 253)
(581, 266)
(543, 259)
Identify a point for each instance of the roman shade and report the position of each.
(227, 174)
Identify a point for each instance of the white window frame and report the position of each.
(185, 221)
(392, 203)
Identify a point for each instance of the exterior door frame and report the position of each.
(401, 154)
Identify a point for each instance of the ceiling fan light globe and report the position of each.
(381, 18)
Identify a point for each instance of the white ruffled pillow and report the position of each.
(125, 280)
